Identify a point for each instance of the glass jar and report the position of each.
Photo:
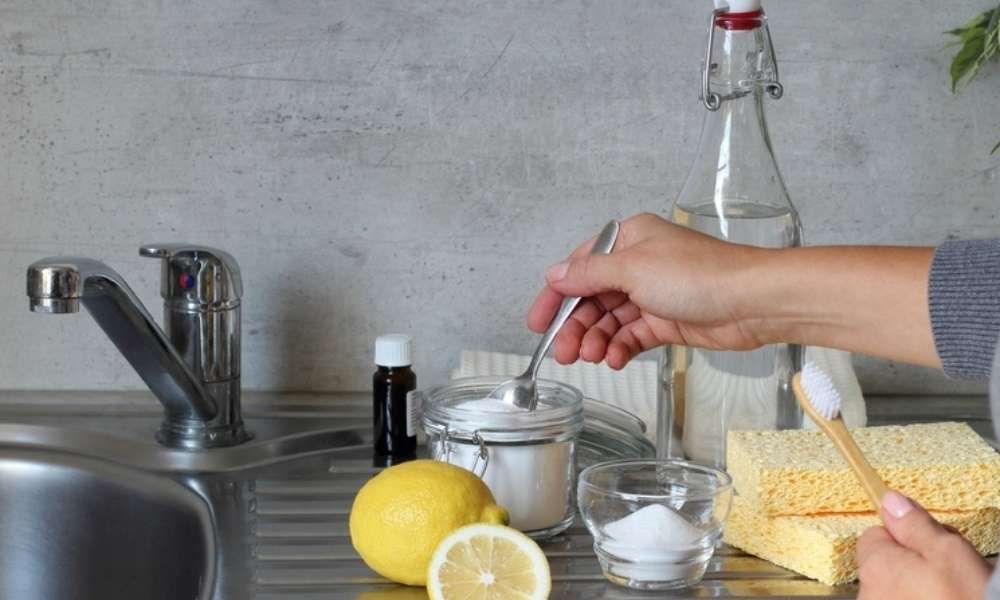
(527, 458)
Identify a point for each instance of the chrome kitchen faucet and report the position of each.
(193, 368)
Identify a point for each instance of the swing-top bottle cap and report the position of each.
(738, 15)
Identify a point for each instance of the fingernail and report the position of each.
(557, 271)
(896, 504)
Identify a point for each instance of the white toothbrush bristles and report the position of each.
(820, 391)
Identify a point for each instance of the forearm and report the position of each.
(867, 299)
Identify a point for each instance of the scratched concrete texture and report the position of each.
(413, 166)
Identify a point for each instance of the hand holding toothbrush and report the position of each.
(913, 557)
(937, 561)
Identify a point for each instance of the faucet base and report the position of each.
(198, 436)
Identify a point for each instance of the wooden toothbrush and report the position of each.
(821, 401)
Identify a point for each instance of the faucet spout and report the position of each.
(60, 284)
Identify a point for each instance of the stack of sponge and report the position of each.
(800, 506)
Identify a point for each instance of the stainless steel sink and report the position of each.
(78, 528)
(92, 508)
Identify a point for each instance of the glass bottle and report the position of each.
(394, 422)
(734, 191)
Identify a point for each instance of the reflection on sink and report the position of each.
(87, 514)
(149, 456)
(78, 528)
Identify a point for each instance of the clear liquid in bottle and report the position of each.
(710, 392)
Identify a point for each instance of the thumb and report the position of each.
(587, 275)
(910, 524)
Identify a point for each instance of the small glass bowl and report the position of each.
(655, 522)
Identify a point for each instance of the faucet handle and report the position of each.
(197, 274)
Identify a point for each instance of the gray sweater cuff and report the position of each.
(964, 297)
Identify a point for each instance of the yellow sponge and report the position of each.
(944, 466)
(822, 546)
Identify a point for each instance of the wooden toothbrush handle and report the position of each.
(837, 431)
(869, 478)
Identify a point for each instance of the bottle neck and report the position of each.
(734, 174)
(742, 56)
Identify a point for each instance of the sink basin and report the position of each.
(92, 508)
(79, 528)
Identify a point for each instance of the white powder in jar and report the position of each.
(533, 481)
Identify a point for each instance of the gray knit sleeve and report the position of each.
(964, 297)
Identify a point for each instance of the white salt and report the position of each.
(491, 405)
(657, 541)
(654, 527)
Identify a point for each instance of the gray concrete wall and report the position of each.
(363, 160)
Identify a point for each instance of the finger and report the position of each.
(567, 343)
(881, 559)
(548, 301)
(604, 345)
(911, 525)
(873, 541)
(570, 338)
(621, 349)
(589, 312)
(588, 275)
(543, 309)
(595, 342)
(628, 342)
(626, 312)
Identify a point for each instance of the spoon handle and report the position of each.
(604, 244)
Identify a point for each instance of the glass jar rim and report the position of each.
(559, 412)
(722, 481)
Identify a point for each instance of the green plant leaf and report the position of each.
(994, 19)
(969, 35)
(979, 42)
(977, 21)
(964, 65)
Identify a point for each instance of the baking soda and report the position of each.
(533, 482)
(656, 543)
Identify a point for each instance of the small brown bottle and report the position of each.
(395, 418)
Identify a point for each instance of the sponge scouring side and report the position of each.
(822, 546)
(944, 466)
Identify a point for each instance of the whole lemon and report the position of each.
(401, 515)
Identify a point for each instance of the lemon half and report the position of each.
(401, 515)
(488, 562)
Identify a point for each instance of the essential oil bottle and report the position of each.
(395, 418)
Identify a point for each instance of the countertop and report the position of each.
(299, 540)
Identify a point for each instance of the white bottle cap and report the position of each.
(739, 6)
(393, 350)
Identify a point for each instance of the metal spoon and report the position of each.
(521, 391)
